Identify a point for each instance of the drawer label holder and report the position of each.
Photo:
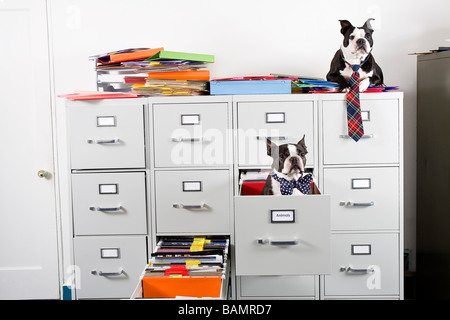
(282, 216)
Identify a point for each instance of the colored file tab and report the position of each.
(197, 244)
(175, 55)
(181, 75)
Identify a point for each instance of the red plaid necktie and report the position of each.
(354, 120)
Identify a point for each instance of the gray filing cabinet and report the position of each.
(109, 195)
(146, 168)
(365, 181)
(433, 187)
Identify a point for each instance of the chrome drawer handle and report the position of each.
(108, 141)
(278, 242)
(356, 204)
(349, 269)
(105, 209)
(271, 137)
(366, 136)
(107, 274)
(181, 139)
(189, 206)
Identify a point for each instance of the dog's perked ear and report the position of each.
(345, 25)
(367, 24)
(302, 144)
(271, 147)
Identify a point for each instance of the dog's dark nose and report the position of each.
(360, 42)
(294, 160)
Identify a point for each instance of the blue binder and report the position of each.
(250, 87)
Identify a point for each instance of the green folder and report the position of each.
(174, 55)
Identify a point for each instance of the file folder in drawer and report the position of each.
(172, 287)
(250, 87)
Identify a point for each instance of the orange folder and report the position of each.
(181, 75)
(136, 55)
(166, 287)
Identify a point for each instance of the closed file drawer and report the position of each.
(191, 134)
(363, 198)
(283, 122)
(364, 264)
(380, 143)
(282, 235)
(108, 267)
(195, 201)
(109, 203)
(277, 286)
(106, 136)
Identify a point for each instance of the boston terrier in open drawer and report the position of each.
(288, 168)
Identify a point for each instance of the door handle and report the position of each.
(189, 206)
(350, 269)
(182, 139)
(107, 274)
(356, 204)
(271, 137)
(278, 242)
(106, 209)
(366, 136)
(108, 141)
(42, 174)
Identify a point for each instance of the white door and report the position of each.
(28, 225)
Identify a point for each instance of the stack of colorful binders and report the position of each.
(153, 72)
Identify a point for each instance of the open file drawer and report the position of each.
(282, 235)
(169, 277)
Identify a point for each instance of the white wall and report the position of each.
(251, 37)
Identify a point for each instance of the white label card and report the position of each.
(108, 188)
(272, 117)
(282, 216)
(361, 183)
(109, 121)
(365, 115)
(361, 249)
(189, 186)
(190, 119)
(106, 253)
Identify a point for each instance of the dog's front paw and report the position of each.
(344, 87)
(363, 85)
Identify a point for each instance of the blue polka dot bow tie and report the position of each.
(287, 186)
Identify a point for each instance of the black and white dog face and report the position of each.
(288, 168)
(358, 42)
(288, 159)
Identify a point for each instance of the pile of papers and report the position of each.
(153, 72)
(302, 84)
(188, 256)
